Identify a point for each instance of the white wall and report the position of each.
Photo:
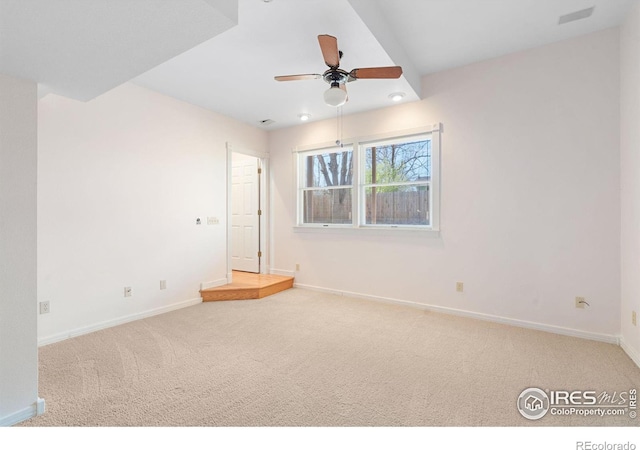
(530, 213)
(18, 348)
(121, 182)
(630, 179)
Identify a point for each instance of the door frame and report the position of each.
(265, 248)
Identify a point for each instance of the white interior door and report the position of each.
(245, 218)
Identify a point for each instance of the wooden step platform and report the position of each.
(247, 286)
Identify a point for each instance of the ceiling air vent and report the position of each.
(578, 15)
(266, 122)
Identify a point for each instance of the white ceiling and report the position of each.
(441, 34)
(82, 48)
(233, 73)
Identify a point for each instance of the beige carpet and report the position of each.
(302, 358)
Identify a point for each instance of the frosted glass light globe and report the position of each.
(334, 96)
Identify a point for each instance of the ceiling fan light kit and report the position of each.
(337, 78)
(334, 96)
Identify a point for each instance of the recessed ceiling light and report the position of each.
(304, 116)
(396, 96)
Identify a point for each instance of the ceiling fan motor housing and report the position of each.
(337, 76)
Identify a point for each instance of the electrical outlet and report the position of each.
(127, 292)
(633, 318)
(44, 308)
(459, 286)
(163, 284)
(297, 267)
(580, 302)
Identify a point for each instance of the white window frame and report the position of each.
(301, 189)
(363, 185)
(359, 184)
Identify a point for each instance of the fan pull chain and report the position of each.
(339, 126)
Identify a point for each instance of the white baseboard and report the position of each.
(119, 321)
(212, 284)
(630, 351)
(611, 339)
(24, 414)
(286, 273)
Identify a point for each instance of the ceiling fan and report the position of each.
(337, 78)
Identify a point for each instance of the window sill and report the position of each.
(368, 230)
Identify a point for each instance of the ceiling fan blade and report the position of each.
(376, 72)
(329, 47)
(308, 76)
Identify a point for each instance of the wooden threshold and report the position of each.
(248, 286)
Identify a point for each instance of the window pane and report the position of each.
(327, 206)
(328, 169)
(396, 163)
(397, 205)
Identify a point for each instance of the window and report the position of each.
(326, 186)
(388, 182)
(396, 181)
